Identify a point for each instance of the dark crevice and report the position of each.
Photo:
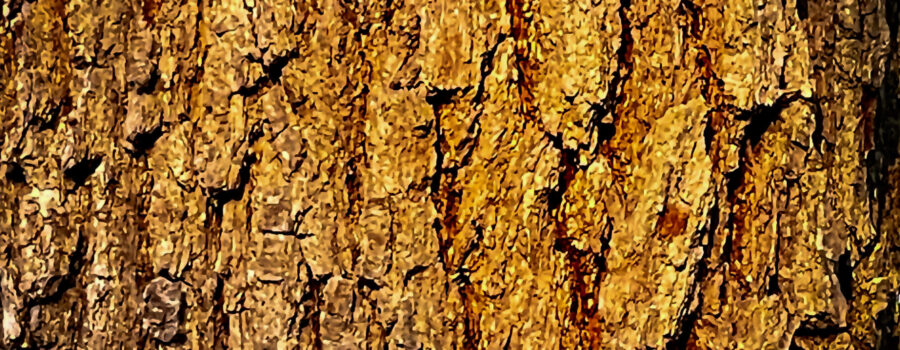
(54, 113)
(250, 90)
(357, 158)
(802, 9)
(276, 67)
(487, 66)
(520, 21)
(733, 181)
(820, 332)
(761, 118)
(886, 130)
(709, 133)
(177, 339)
(844, 272)
(217, 199)
(369, 283)
(142, 142)
(886, 322)
(59, 285)
(218, 310)
(15, 7)
(587, 268)
(506, 344)
(682, 337)
(567, 170)
(774, 287)
(605, 113)
(151, 84)
(474, 244)
(886, 139)
(439, 97)
(695, 26)
(446, 197)
(821, 325)
(165, 273)
(149, 8)
(604, 128)
(818, 137)
(296, 223)
(15, 173)
(273, 72)
(725, 256)
(312, 298)
(413, 272)
(353, 183)
(422, 131)
(81, 170)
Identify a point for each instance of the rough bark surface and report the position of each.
(621, 174)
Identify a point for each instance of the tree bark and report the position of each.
(615, 174)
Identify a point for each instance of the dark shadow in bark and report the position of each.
(83, 169)
(15, 173)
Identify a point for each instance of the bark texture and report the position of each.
(610, 174)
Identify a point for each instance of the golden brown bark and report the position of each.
(621, 174)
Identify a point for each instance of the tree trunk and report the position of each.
(610, 174)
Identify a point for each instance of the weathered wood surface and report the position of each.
(621, 174)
